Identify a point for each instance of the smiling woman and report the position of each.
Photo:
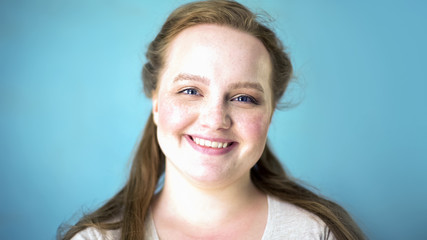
(214, 74)
(218, 108)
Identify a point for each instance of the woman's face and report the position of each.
(213, 104)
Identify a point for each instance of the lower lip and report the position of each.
(209, 150)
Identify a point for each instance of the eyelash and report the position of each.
(186, 91)
(240, 98)
(249, 99)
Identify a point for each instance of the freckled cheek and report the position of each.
(254, 126)
(173, 115)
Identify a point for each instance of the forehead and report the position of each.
(218, 52)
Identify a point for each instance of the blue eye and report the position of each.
(190, 91)
(245, 99)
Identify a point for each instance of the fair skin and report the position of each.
(212, 109)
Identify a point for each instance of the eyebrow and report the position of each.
(191, 77)
(204, 80)
(251, 85)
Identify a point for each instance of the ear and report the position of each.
(155, 110)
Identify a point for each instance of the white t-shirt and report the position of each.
(285, 222)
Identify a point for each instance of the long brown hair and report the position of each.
(128, 208)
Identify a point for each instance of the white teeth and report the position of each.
(207, 143)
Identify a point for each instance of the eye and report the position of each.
(245, 99)
(190, 91)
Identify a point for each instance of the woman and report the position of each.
(215, 75)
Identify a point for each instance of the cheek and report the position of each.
(171, 117)
(255, 126)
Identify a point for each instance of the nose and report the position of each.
(215, 116)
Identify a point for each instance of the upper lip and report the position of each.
(212, 139)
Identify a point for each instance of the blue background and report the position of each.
(72, 107)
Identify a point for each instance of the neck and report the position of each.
(205, 204)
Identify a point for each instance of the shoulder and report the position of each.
(92, 233)
(287, 221)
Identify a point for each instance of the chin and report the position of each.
(208, 177)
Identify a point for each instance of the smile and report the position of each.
(212, 146)
(210, 143)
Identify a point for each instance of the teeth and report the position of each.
(207, 143)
